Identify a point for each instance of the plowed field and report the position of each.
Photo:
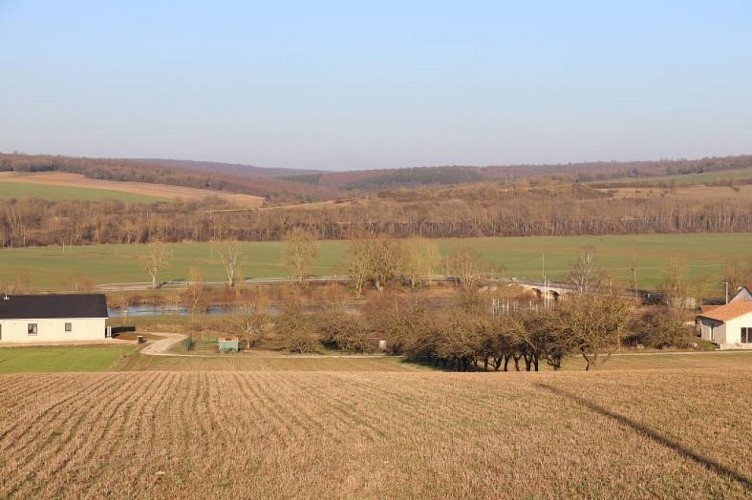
(665, 433)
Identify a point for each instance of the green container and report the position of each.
(228, 345)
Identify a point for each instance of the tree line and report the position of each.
(488, 211)
(452, 335)
(474, 328)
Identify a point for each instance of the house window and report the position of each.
(69, 327)
(746, 335)
(32, 328)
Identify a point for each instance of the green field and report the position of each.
(696, 179)
(12, 190)
(702, 255)
(60, 358)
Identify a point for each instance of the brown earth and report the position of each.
(164, 434)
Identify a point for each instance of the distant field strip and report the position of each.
(669, 434)
(15, 190)
(66, 186)
(693, 179)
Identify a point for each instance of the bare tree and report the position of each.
(359, 264)
(386, 258)
(594, 322)
(250, 322)
(421, 260)
(156, 261)
(296, 329)
(736, 275)
(300, 254)
(229, 256)
(673, 287)
(465, 264)
(195, 289)
(584, 275)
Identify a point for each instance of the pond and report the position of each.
(178, 310)
(163, 310)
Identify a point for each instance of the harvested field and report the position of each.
(153, 191)
(668, 433)
(698, 193)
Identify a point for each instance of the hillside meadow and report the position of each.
(701, 256)
(282, 434)
(17, 191)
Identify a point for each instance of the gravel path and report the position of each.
(162, 346)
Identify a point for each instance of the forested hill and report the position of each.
(202, 175)
(290, 186)
(380, 180)
(234, 169)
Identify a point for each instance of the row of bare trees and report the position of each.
(30, 222)
(590, 325)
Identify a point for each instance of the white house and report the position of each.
(729, 326)
(52, 318)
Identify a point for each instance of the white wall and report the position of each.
(727, 335)
(734, 331)
(51, 330)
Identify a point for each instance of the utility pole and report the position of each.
(545, 286)
(727, 284)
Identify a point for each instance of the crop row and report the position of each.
(348, 434)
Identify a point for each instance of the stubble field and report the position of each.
(665, 433)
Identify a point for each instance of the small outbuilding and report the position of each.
(729, 326)
(29, 319)
(228, 344)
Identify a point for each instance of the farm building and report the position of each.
(52, 318)
(744, 293)
(729, 326)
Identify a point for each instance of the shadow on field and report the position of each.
(657, 437)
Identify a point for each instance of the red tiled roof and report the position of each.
(709, 308)
(729, 311)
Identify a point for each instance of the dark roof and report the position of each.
(53, 306)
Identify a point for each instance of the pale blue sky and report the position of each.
(347, 85)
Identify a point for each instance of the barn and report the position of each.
(28, 319)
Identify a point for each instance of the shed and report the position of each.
(228, 344)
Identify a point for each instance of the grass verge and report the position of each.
(36, 359)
